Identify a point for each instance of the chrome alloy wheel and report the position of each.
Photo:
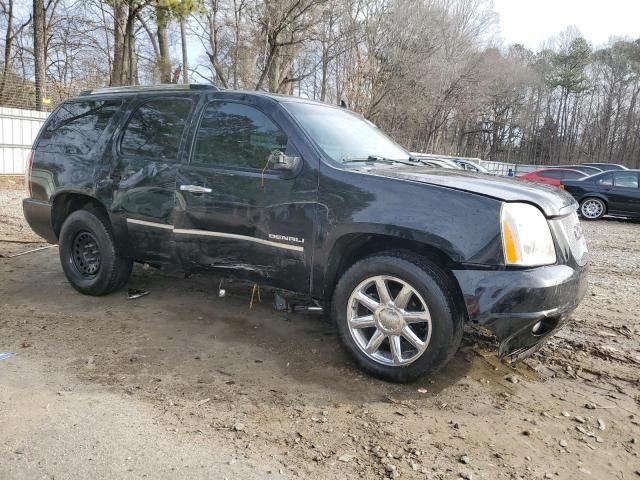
(389, 320)
(592, 208)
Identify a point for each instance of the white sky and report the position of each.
(532, 22)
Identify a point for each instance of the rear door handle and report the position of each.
(194, 189)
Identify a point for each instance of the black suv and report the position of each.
(309, 198)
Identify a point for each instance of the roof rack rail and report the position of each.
(150, 88)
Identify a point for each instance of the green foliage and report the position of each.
(179, 9)
(570, 67)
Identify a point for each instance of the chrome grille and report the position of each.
(571, 231)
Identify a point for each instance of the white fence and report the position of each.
(18, 129)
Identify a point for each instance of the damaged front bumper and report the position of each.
(522, 307)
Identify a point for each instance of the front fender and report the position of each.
(464, 226)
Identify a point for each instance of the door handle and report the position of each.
(194, 189)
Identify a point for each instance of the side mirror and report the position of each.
(279, 161)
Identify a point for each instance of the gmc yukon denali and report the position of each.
(307, 198)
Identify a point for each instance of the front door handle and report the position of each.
(194, 189)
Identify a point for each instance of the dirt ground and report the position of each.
(184, 384)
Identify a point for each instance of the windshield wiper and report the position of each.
(374, 159)
(422, 161)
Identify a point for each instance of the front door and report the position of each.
(147, 159)
(234, 214)
(624, 196)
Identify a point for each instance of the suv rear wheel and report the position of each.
(396, 316)
(88, 254)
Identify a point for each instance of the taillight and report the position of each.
(27, 174)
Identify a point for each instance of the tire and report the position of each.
(433, 291)
(592, 208)
(88, 254)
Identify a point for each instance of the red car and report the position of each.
(552, 176)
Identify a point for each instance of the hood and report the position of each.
(551, 200)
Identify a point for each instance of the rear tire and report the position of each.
(592, 208)
(429, 309)
(88, 254)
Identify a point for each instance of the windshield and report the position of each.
(343, 135)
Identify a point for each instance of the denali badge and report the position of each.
(286, 238)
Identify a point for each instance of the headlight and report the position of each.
(526, 238)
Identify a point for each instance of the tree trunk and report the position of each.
(7, 49)
(119, 34)
(325, 73)
(39, 51)
(164, 61)
(185, 54)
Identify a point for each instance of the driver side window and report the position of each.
(236, 135)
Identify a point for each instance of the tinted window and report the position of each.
(76, 126)
(629, 180)
(551, 174)
(605, 180)
(155, 129)
(572, 175)
(236, 135)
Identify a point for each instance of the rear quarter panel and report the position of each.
(54, 172)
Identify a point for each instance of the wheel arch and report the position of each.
(351, 248)
(65, 203)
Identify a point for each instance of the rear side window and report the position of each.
(75, 127)
(629, 180)
(551, 174)
(572, 175)
(607, 180)
(236, 135)
(155, 129)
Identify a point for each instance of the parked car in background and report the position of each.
(615, 193)
(606, 166)
(470, 166)
(581, 168)
(553, 176)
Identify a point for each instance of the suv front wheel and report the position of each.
(88, 254)
(397, 317)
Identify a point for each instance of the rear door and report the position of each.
(147, 156)
(624, 194)
(234, 214)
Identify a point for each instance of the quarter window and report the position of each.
(629, 180)
(76, 126)
(236, 135)
(155, 129)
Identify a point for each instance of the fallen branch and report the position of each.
(31, 251)
(6, 240)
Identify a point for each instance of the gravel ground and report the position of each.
(181, 383)
(13, 226)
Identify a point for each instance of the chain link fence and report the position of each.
(19, 92)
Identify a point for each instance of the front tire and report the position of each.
(396, 315)
(88, 254)
(592, 208)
